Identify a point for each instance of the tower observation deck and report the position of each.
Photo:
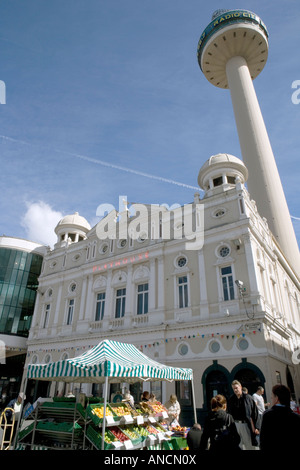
(232, 51)
(232, 33)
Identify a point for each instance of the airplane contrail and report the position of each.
(109, 165)
(117, 167)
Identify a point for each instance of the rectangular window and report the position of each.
(142, 299)
(183, 291)
(120, 303)
(70, 311)
(278, 377)
(184, 392)
(227, 283)
(100, 306)
(46, 316)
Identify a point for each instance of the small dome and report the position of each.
(222, 163)
(220, 159)
(74, 220)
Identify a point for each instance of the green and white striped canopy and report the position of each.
(108, 359)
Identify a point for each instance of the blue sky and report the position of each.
(106, 98)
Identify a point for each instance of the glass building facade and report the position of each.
(19, 272)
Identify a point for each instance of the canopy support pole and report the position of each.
(104, 411)
(194, 403)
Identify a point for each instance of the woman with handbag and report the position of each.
(220, 433)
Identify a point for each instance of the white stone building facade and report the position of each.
(229, 309)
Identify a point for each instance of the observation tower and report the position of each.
(232, 51)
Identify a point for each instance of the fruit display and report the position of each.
(140, 430)
(120, 410)
(164, 423)
(160, 428)
(118, 434)
(133, 410)
(129, 431)
(95, 436)
(158, 408)
(109, 437)
(145, 408)
(179, 430)
(134, 433)
(151, 429)
(99, 411)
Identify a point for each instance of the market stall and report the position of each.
(108, 362)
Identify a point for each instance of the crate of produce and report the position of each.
(152, 429)
(96, 412)
(120, 409)
(95, 437)
(135, 438)
(157, 408)
(141, 431)
(135, 411)
(119, 434)
(145, 408)
(160, 428)
(179, 431)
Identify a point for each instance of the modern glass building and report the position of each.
(20, 266)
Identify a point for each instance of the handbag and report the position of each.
(223, 435)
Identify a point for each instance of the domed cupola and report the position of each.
(220, 173)
(71, 229)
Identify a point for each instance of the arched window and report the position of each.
(249, 375)
(215, 380)
(216, 383)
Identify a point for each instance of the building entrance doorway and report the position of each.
(248, 379)
(216, 384)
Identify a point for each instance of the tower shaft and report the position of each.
(232, 52)
(264, 182)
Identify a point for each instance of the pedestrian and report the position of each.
(16, 405)
(145, 396)
(260, 403)
(245, 414)
(280, 429)
(220, 432)
(193, 437)
(128, 398)
(14, 411)
(174, 410)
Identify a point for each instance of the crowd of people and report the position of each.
(246, 422)
(243, 422)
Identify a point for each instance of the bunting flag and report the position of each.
(197, 336)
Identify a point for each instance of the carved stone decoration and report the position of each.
(119, 277)
(141, 273)
(99, 282)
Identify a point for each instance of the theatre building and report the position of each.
(226, 306)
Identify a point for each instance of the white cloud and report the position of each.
(40, 221)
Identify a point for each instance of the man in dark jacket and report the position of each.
(244, 411)
(280, 429)
(193, 437)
